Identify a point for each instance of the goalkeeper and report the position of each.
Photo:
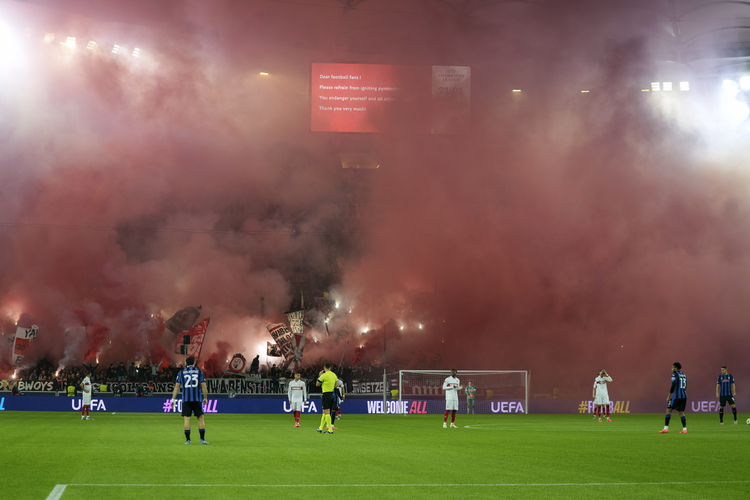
(470, 391)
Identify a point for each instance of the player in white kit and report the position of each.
(86, 387)
(601, 395)
(451, 386)
(297, 392)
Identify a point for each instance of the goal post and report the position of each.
(498, 391)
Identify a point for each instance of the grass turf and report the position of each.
(137, 455)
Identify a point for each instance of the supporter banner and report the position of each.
(197, 335)
(352, 405)
(238, 363)
(24, 336)
(273, 350)
(283, 337)
(296, 319)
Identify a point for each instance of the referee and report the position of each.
(328, 380)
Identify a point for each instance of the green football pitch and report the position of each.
(137, 455)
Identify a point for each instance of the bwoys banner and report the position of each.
(296, 319)
(197, 336)
(24, 336)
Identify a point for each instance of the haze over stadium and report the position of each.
(578, 224)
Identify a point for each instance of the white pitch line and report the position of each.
(57, 492)
(397, 485)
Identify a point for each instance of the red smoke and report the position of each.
(565, 233)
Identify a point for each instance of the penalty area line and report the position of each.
(57, 492)
(60, 488)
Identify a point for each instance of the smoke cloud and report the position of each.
(567, 232)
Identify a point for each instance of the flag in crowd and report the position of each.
(197, 334)
(296, 319)
(273, 350)
(295, 358)
(24, 336)
(283, 337)
(238, 363)
(183, 319)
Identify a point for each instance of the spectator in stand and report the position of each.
(14, 389)
(122, 372)
(155, 370)
(255, 364)
(131, 372)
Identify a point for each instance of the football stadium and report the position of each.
(374, 248)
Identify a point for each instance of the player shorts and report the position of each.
(677, 404)
(86, 399)
(723, 400)
(329, 402)
(451, 404)
(296, 405)
(192, 407)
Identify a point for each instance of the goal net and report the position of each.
(498, 391)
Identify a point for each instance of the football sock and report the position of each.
(666, 420)
(607, 410)
(328, 422)
(445, 416)
(322, 421)
(721, 414)
(187, 435)
(684, 422)
(453, 416)
(734, 412)
(202, 433)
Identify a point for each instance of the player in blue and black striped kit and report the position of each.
(677, 399)
(726, 391)
(193, 384)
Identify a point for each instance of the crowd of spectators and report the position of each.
(146, 374)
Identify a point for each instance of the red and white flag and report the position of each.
(237, 365)
(283, 337)
(272, 350)
(24, 336)
(295, 357)
(197, 335)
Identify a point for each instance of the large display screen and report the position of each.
(389, 98)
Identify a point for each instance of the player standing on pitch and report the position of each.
(327, 382)
(470, 393)
(192, 381)
(726, 392)
(297, 393)
(677, 399)
(601, 394)
(86, 388)
(451, 386)
(339, 394)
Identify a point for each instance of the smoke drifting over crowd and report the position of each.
(567, 232)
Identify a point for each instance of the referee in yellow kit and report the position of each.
(328, 380)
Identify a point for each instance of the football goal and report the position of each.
(497, 391)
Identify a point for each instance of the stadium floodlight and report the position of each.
(137, 52)
(734, 110)
(585, 91)
(667, 86)
(655, 86)
(49, 37)
(116, 49)
(70, 42)
(745, 82)
(684, 86)
(263, 73)
(516, 91)
(91, 46)
(10, 51)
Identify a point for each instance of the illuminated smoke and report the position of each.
(566, 233)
